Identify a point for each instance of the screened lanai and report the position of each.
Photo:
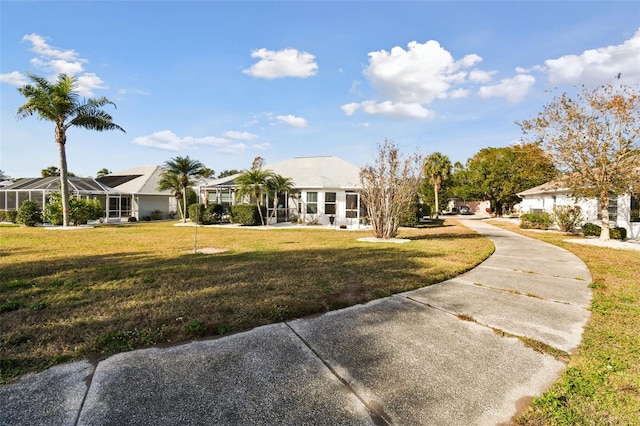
(115, 204)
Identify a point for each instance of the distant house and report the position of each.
(140, 184)
(326, 191)
(124, 194)
(623, 209)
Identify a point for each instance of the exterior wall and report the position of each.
(324, 218)
(143, 205)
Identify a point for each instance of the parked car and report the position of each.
(466, 210)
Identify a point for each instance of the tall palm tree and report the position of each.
(60, 104)
(171, 182)
(184, 168)
(254, 183)
(103, 172)
(437, 168)
(277, 185)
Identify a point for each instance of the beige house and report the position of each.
(326, 191)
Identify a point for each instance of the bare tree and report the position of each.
(595, 140)
(389, 188)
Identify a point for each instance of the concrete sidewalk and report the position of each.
(411, 359)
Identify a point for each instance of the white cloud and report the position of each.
(349, 109)
(167, 140)
(87, 82)
(266, 146)
(512, 89)
(282, 63)
(232, 134)
(479, 76)
(292, 120)
(598, 66)
(396, 110)
(41, 47)
(15, 78)
(420, 74)
(57, 61)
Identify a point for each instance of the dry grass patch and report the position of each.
(71, 295)
(601, 385)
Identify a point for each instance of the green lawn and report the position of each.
(89, 293)
(601, 385)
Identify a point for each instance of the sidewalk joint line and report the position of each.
(379, 418)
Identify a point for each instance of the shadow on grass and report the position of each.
(94, 306)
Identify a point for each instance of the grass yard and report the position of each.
(89, 293)
(601, 385)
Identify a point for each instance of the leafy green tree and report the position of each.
(389, 188)
(437, 169)
(277, 185)
(594, 140)
(103, 172)
(254, 183)
(226, 173)
(185, 169)
(29, 213)
(498, 174)
(60, 104)
(50, 171)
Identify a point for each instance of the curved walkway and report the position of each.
(442, 355)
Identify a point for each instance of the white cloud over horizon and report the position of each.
(233, 134)
(282, 63)
(169, 141)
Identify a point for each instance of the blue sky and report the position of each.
(224, 82)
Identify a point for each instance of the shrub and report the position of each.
(618, 233)
(29, 213)
(132, 219)
(591, 230)
(536, 221)
(82, 210)
(8, 216)
(196, 211)
(246, 214)
(567, 217)
(156, 215)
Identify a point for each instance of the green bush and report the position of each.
(618, 233)
(591, 230)
(156, 215)
(8, 216)
(246, 214)
(52, 211)
(536, 221)
(196, 211)
(567, 217)
(29, 213)
(82, 210)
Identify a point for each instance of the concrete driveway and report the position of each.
(441, 355)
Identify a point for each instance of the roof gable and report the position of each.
(319, 172)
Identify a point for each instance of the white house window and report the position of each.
(352, 205)
(312, 202)
(330, 203)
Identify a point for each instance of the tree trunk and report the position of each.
(604, 232)
(184, 204)
(435, 191)
(61, 139)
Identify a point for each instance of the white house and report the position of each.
(326, 191)
(140, 184)
(622, 209)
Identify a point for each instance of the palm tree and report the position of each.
(254, 183)
(59, 103)
(437, 169)
(171, 182)
(279, 184)
(103, 172)
(184, 169)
